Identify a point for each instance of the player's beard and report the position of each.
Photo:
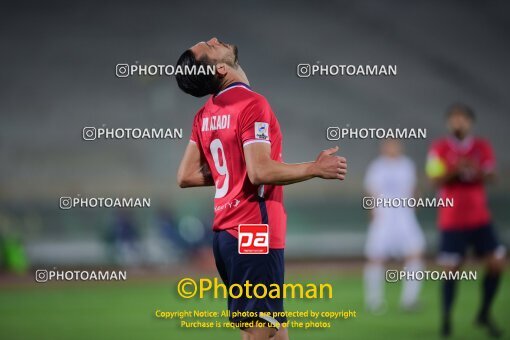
(233, 59)
(460, 134)
(236, 55)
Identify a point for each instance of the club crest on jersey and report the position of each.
(261, 130)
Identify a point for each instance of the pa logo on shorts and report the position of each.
(253, 239)
(261, 130)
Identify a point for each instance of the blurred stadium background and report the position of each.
(58, 76)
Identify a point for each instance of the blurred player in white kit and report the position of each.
(393, 232)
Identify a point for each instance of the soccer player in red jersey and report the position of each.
(460, 165)
(236, 145)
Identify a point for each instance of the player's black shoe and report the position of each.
(446, 328)
(491, 327)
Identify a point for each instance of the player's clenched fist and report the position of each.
(329, 166)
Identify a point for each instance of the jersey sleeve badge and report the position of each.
(262, 130)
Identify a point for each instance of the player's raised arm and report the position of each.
(264, 170)
(193, 170)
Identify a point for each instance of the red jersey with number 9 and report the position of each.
(229, 121)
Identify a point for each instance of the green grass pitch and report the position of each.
(125, 310)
